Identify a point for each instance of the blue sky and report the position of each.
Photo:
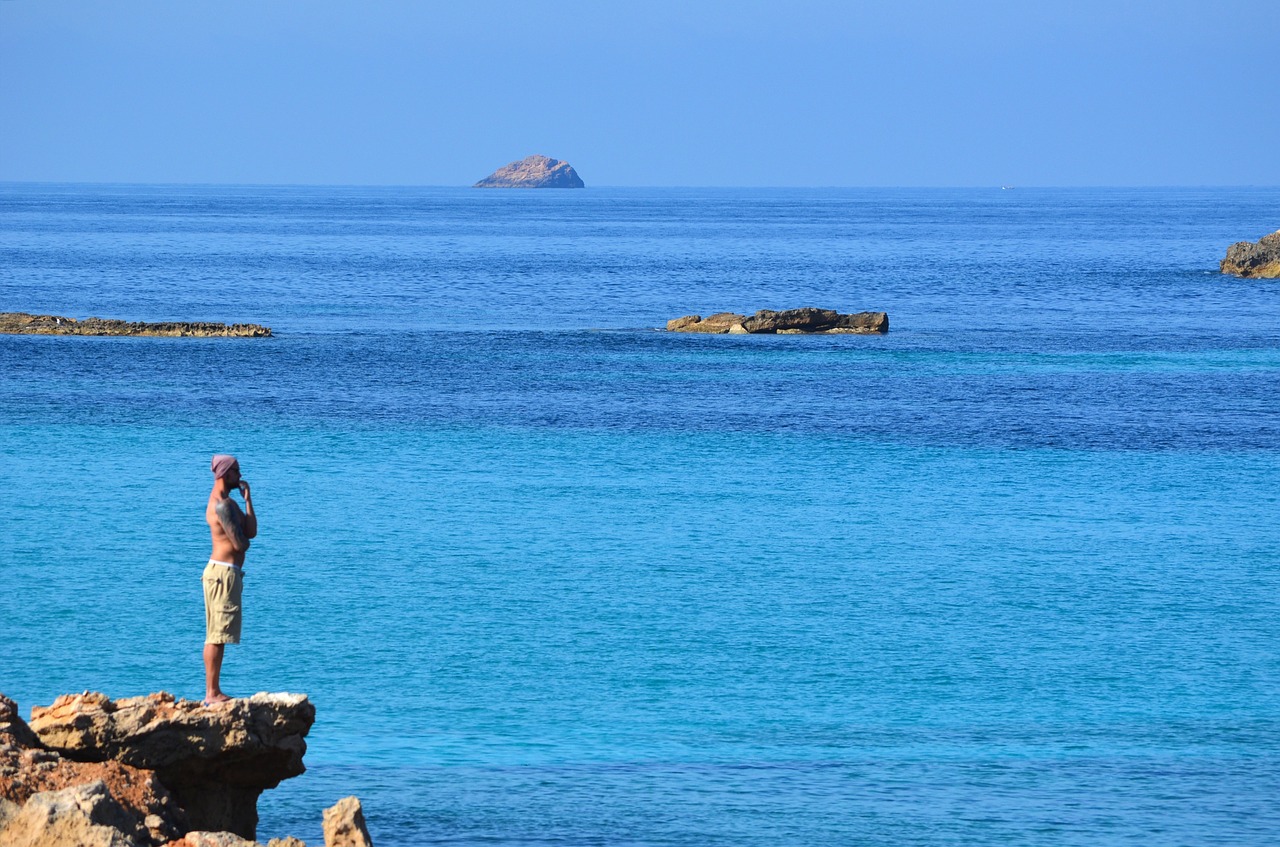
(644, 93)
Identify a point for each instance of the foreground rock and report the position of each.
(21, 323)
(344, 825)
(114, 797)
(1259, 260)
(215, 762)
(84, 815)
(807, 320)
(533, 172)
(46, 797)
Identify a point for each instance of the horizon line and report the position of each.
(966, 186)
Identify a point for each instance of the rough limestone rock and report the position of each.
(344, 825)
(683, 324)
(717, 324)
(21, 323)
(200, 838)
(1259, 260)
(148, 813)
(83, 815)
(533, 172)
(230, 839)
(14, 732)
(806, 320)
(216, 762)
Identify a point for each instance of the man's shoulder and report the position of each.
(225, 506)
(215, 503)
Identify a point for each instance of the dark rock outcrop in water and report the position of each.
(533, 172)
(807, 320)
(1260, 260)
(21, 323)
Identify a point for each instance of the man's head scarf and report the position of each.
(221, 464)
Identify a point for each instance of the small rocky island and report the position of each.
(1254, 260)
(804, 321)
(21, 323)
(152, 771)
(533, 172)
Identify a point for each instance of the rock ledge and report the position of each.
(216, 762)
(154, 772)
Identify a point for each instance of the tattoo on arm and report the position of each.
(232, 523)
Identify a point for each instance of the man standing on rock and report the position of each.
(223, 579)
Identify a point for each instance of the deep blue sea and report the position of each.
(1009, 574)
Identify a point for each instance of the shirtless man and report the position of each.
(230, 529)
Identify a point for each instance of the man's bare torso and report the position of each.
(223, 549)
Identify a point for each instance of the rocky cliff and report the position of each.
(1260, 260)
(807, 320)
(533, 172)
(215, 761)
(73, 797)
(150, 771)
(21, 323)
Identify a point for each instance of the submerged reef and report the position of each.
(804, 321)
(21, 323)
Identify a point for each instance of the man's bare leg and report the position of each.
(213, 672)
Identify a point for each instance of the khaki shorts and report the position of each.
(222, 614)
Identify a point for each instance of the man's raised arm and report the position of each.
(250, 519)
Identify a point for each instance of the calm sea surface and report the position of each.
(1007, 575)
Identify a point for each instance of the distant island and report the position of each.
(21, 323)
(533, 172)
(1256, 260)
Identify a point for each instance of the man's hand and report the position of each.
(244, 489)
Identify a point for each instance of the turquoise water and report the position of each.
(1005, 575)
